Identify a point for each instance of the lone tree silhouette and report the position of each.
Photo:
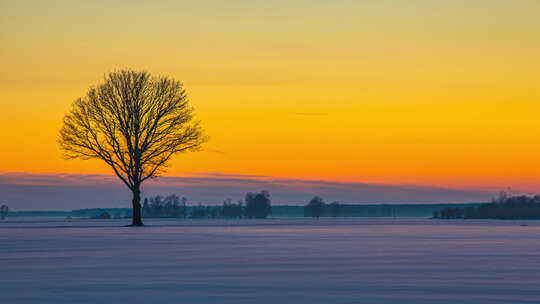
(135, 123)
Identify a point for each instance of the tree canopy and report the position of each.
(135, 123)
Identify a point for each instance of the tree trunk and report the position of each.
(136, 219)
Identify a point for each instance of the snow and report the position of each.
(270, 261)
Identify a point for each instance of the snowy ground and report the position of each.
(270, 261)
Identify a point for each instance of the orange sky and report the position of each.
(439, 93)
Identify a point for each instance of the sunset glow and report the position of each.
(392, 92)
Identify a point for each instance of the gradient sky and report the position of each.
(442, 93)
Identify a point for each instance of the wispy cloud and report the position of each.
(210, 150)
(73, 191)
(310, 114)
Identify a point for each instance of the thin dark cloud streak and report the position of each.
(24, 191)
(211, 150)
(310, 114)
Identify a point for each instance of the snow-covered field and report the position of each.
(270, 261)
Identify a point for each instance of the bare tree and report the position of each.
(135, 123)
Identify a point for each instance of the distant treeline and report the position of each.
(258, 205)
(503, 207)
(51, 213)
(255, 205)
(317, 208)
(163, 207)
(237, 210)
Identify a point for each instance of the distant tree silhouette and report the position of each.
(258, 205)
(163, 207)
(314, 208)
(335, 209)
(102, 216)
(501, 198)
(231, 210)
(503, 207)
(184, 206)
(146, 211)
(135, 123)
(200, 212)
(4, 210)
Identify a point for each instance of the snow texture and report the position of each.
(271, 261)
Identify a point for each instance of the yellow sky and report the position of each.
(426, 92)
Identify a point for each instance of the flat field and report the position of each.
(271, 261)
